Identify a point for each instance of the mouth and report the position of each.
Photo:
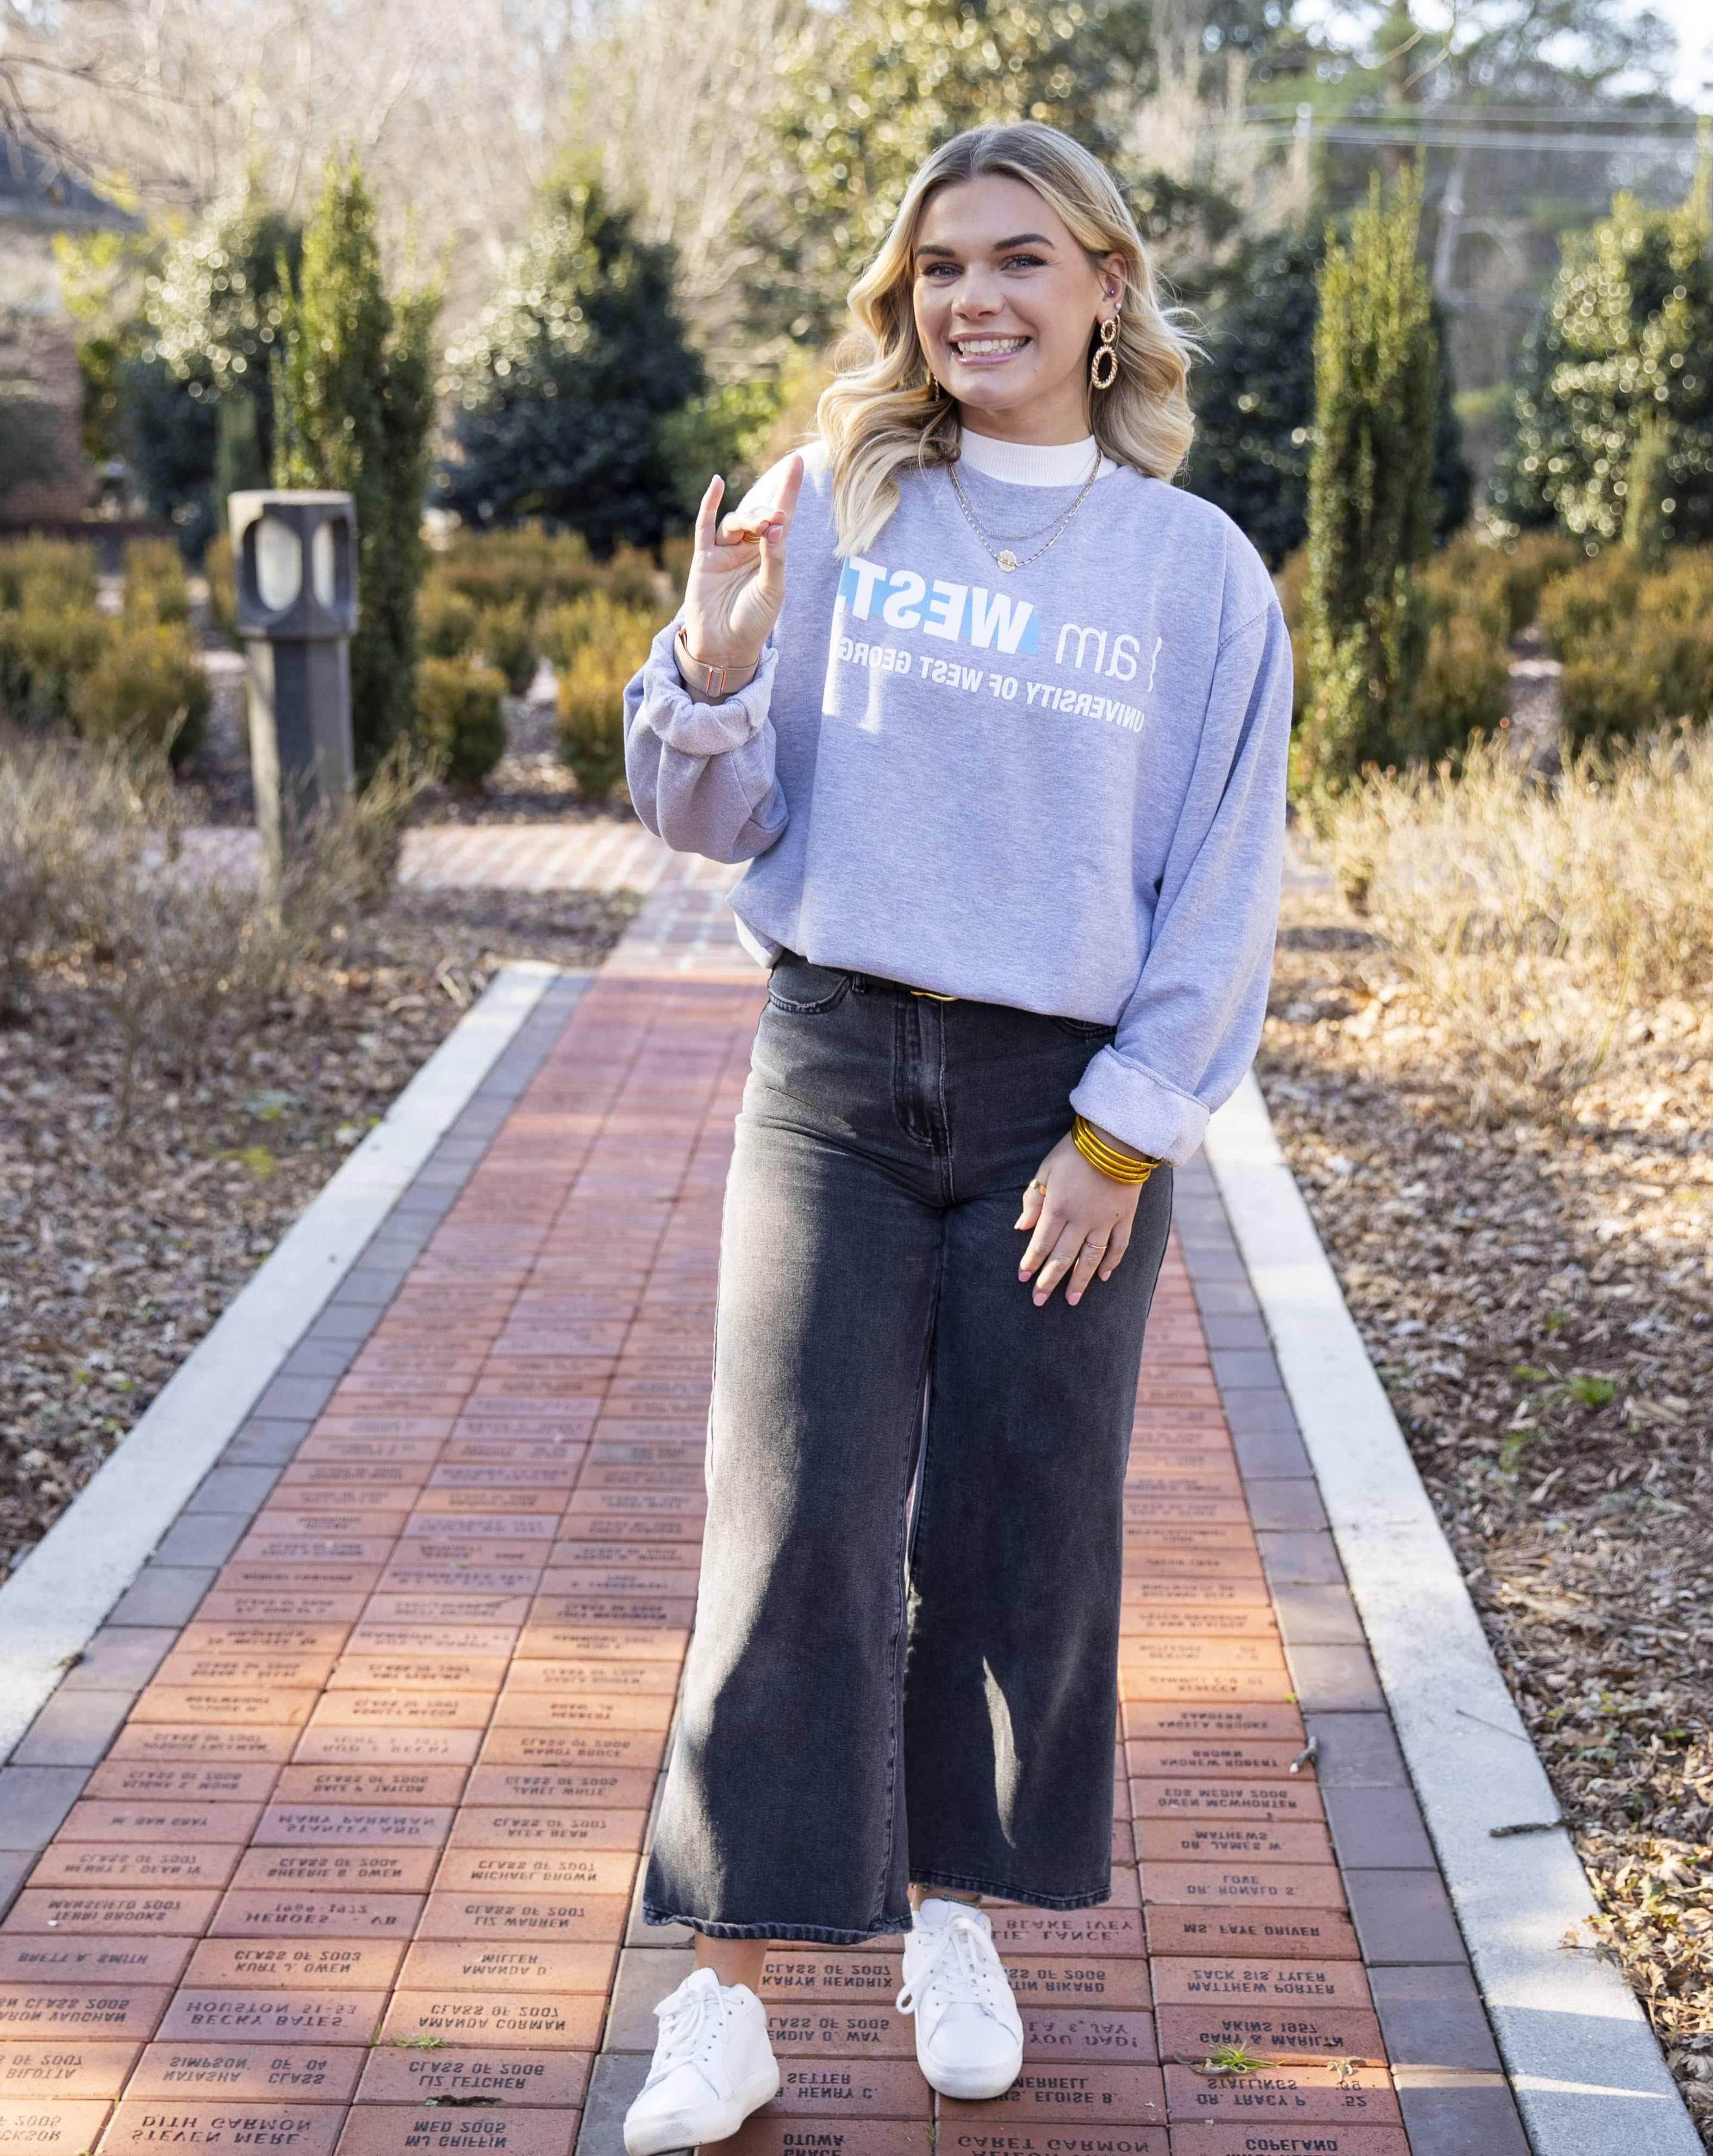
(987, 351)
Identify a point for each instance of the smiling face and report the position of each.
(1005, 301)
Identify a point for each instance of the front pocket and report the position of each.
(806, 990)
(1083, 1028)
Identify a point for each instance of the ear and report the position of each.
(1113, 271)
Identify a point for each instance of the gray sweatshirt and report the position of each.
(1061, 787)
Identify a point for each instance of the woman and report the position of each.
(998, 718)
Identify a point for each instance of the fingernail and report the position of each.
(1073, 1299)
(1040, 1300)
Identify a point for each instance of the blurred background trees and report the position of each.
(643, 216)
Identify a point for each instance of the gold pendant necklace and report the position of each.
(1005, 558)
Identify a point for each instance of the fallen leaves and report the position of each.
(118, 1256)
(1537, 1292)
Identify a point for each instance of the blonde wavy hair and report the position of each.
(887, 411)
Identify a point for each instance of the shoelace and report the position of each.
(685, 2027)
(967, 1944)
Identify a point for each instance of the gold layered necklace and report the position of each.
(1002, 553)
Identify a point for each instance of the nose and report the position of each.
(978, 294)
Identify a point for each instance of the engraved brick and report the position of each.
(328, 1747)
(574, 1747)
(868, 1974)
(391, 1708)
(516, 1787)
(1289, 2094)
(1331, 2140)
(488, 1965)
(1085, 1982)
(285, 2129)
(109, 1864)
(1268, 2031)
(1189, 1758)
(249, 2073)
(555, 1872)
(1190, 1841)
(1156, 1719)
(1236, 1928)
(482, 1827)
(1267, 1801)
(87, 1911)
(56, 1958)
(627, 1675)
(163, 1781)
(224, 1707)
(1086, 2095)
(837, 2030)
(532, 1710)
(294, 1964)
(582, 1918)
(383, 2129)
(1256, 1886)
(375, 1870)
(76, 2071)
(52, 2123)
(322, 1826)
(285, 2017)
(539, 2019)
(460, 2076)
(767, 2134)
(160, 1821)
(978, 2130)
(1185, 1981)
(29, 2013)
(371, 1785)
(1082, 1931)
(851, 2088)
(1076, 2034)
(277, 1913)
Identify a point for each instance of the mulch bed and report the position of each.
(1537, 1293)
(117, 1254)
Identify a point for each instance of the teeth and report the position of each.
(984, 344)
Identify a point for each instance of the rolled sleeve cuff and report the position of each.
(1140, 1107)
(704, 729)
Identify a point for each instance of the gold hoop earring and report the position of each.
(1103, 367)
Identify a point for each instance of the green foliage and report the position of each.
(1376, 365)
(51, 632)
(1638, 649)
(155, 586)
(1254, 400)
(492, 568)
(507, 638)
(446, 620)
(28, 451)
(354, 400)
(726, 430)
(147, 691)
(592, 700)
(594, 619)
(867, 91)
(47, 572)
(215, 313)
(560, 390)
(222, 588)
(1464, 688)
(459, 719)
(1612, 432)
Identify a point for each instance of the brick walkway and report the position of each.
(342, 1811)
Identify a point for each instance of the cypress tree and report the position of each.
(354, 401)
(1371, 495)
(566, 390)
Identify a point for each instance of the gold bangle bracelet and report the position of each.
(1117, 1166)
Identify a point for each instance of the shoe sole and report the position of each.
(718, 2122)
(967, 2088)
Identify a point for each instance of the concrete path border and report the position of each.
(57, 1598)
(1585, 2066)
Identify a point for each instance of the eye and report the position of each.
(1024, 262)
(930, 269)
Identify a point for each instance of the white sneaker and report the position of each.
(969, 2034)
(712, 2066)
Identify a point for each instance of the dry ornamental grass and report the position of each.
(1495, 1084)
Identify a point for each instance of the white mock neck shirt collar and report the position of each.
(1032, 463)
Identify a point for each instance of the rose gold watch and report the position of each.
(707, 680)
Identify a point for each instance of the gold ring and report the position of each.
(1037, 1185)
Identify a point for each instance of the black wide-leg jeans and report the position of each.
(884, 1688)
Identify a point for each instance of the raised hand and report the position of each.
(738, 576)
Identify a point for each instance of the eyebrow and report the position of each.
(1017, 239)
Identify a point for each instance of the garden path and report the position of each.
(329, 1844)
